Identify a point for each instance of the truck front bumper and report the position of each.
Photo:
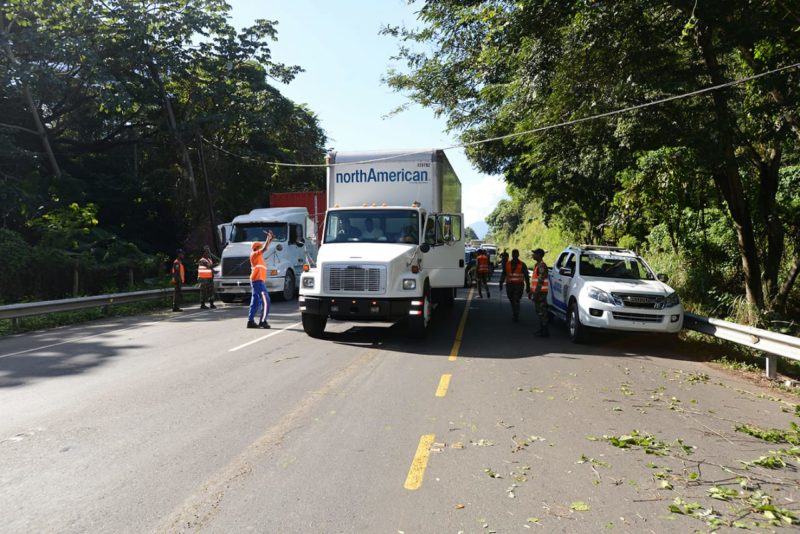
(349, 308)
(241, 286)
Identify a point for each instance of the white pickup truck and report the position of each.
(611, 288)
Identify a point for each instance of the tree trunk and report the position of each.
(41, 131)
(188, 170)
(729, 181)
(768, 211)
(782, 297)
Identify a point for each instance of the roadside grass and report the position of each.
(53, 320)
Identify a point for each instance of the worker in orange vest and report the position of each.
(177, 279)
(515, 275)
(540, 284)
(205, 277)
(259, 297)
(483, 273)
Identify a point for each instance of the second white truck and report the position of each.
(393, 244)
(292, 247)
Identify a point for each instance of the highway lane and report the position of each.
(156, 424)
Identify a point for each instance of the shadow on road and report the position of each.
(491, 333)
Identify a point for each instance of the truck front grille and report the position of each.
(636, 300)
(236, 266)
(638, 317)
(355, 278)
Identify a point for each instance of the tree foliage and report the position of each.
(154, 118)
(497, 69)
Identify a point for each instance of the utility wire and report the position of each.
(526, 132)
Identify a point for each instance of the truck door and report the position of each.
(445, 260)
(561, 277)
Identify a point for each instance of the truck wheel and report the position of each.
(418, 324)
(577, 332)
(289, 287)
(314, 325)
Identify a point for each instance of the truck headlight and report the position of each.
(602, 296)
(409, 283)
(308, 282)
(671, 300)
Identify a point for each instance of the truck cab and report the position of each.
(291, 248)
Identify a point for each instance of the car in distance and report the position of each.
(470, 264)
(613, 289)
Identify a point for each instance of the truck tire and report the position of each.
(289, 287)
(418, 324)
(577, 332)
(314, 325)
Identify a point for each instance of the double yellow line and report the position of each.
(417, 470)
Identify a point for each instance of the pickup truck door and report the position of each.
(561, 280)
(445, 259)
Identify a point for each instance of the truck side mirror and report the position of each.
(565, 271)
(300, 241)
(425, 247)
(662, 277)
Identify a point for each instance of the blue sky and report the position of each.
(344, 58)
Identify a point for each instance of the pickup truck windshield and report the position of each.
(372, 226)
(625, 268)
(257, 232)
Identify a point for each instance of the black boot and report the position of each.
(211, 305)
(251, 324)
(264, 324)
(203, 307)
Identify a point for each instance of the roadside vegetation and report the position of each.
(704, 187)
(131, 128)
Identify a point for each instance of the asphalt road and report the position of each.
(190, 422)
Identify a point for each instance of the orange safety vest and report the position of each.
(540, 273)
(258, 271)
(515, 276)
(183, 274)
(204, 271)
(483, 264)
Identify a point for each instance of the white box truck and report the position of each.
(393, 243)
(292, 247)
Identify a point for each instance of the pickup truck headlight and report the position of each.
(602, 296)
(671, 300)
(308, 282)
(409, 283)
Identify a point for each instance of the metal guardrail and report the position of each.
(27, 309)
(772, 343)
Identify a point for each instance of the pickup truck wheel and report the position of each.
(418, 324)
(314, 325)
(289, 287)
(577, 332)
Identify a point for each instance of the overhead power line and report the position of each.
(531, 131)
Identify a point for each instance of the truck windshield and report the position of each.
(626, 268)
(372, 226)
(257, 232)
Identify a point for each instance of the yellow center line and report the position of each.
(461, 325)
(417, 469)
(444, 383)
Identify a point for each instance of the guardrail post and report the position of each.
(772, 366)
(15, 324)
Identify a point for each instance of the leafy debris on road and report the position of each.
(579, 506)
(773, 435)
(647, 442)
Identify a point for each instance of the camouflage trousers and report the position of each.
(206, 291)
(514, 293)
(540, 302)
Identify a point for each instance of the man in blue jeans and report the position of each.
(259, 298)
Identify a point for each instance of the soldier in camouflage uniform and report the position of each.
(538, 291)
(515, 275)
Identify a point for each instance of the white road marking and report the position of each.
(262, 338)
